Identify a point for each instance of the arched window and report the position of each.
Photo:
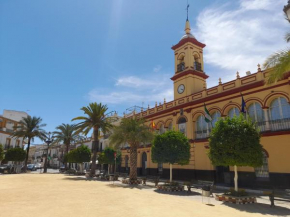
(279, 109)
(263, 171)
(197, 64)
(170, 126)
(181, 64)
(215, 117)
(161, 129)
(182, 125)
(202, 128)
(256, 112)
(234, 111)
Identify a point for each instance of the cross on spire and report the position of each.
(187, 10)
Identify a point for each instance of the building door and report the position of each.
(144, 163)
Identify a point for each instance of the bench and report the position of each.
(122, 175)
(272, 198)
(199, 184)
(154, 179)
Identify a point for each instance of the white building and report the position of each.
(8, 121)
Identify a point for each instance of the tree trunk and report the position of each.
(170, 172)
(95, 146)
(133, 162)
(45, 162)
(81, 167)
(27, 152)
(236, 178)
(65, 163)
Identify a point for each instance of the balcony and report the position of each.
(6, 147)
(197, 66)
(202, 134)
(9, 130)
(263, 126)
(180, 67)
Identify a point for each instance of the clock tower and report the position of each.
(189, 74)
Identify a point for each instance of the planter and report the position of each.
(132, 182)
(170, 188)
(235, 199)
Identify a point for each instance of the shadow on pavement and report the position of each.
(178, 193)
(118, 185)
(260, 208)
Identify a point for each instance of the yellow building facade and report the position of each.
(267, 104)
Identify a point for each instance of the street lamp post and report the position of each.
(287, 10)
(48, 141)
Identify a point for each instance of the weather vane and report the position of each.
(187, 10)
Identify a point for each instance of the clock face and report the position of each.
(180, 88)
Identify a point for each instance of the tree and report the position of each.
(95, 119)
(278, 63)
(171, 147)
(67, 134)
(133, 132)
(1, 153)
(15, 154)
(79, 155)
(235, 142)
(108, 156)
(29, 128)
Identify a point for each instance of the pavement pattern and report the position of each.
(53, 195)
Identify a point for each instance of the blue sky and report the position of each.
(59, 55)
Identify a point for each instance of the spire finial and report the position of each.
(187, 11)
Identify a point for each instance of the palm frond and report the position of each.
(287, 37)
(279, 64)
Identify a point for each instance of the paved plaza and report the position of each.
(53, 195)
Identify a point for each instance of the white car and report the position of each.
(38, 166)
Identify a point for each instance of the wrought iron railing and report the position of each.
(6, 147)
(9, 130)
(180, 67)
(280, 124)
(263, 126)
(202, 134)
(197, 66)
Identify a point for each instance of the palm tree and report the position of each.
(278, 63)
(95, 119)
(29, 128)
(133, 132)
(67, 134)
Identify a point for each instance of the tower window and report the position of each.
(197, 64)
(181, 64)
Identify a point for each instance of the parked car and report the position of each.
(5, 168)
(31, 167)
(38, 166)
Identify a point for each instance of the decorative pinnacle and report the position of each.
(164, 100)
(220, 81)
(148, 106)
(238, 75)
(155, 104)
(259, 68)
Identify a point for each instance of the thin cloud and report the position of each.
(238, 39)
